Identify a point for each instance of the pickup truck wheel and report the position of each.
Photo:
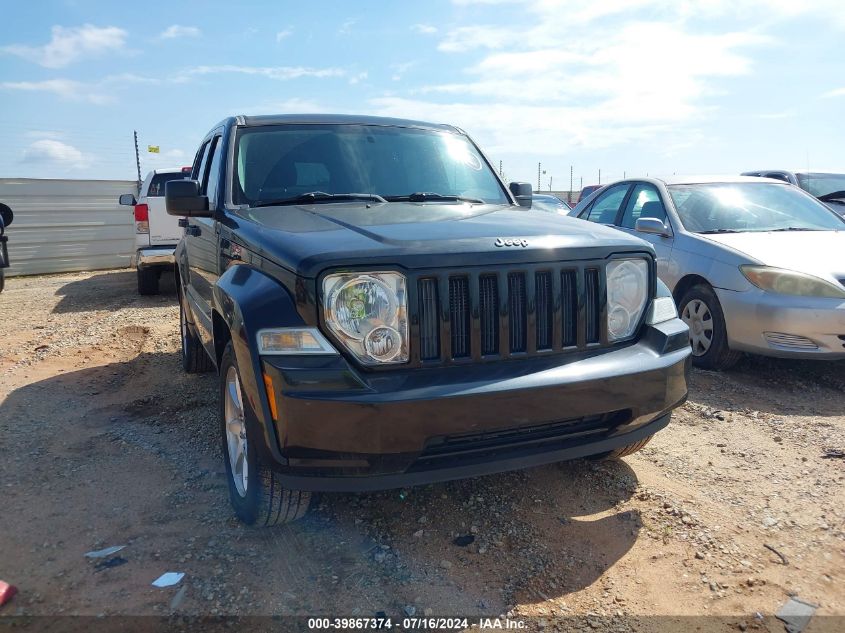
(148, 281)
(256, 494)
(701, 311)
(194, 358)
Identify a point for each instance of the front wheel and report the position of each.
(255, 492)
(701, 311)
(622, 452)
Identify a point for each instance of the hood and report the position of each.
(309, 238)
(817, 253)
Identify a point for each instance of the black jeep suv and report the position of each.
(382, 312)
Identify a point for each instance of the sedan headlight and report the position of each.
(627, 293)
(367, 312)
(791, 282)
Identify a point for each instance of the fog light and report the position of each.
(383, 343)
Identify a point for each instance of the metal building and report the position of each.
(67, 225)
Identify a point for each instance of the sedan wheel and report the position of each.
(697, 316)
(236, 432)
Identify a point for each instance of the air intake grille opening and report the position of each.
(543, 298)
(459, 316)
(569, 307)
(593, 310)
(517, 310)
(488, 292)
(429, 326)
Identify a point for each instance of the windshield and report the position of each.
(821, 184)
(740, 207)
(156, 189)
(549, 205)
(274, 163)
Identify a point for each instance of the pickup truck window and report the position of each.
(285, 161)
(156, 189)
(211, 182)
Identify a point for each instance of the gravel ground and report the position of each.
(736, 506)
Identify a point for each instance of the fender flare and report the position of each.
(249, 300)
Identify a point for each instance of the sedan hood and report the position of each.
(309, 238)
(816, 253)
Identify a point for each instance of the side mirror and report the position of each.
(182, 198)
(127, 200)
(6, 214)
(652, 226)
(522, 192)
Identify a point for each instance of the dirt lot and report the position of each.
(736, 506)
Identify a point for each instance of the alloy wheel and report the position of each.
(236, 431)
(697, 316)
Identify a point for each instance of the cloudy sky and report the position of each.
(622, 86)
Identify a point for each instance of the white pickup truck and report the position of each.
(156, 232)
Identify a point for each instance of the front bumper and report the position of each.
(340, 429)
(154, 256)
(789, 327)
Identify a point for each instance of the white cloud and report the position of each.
(346, 27)
(838, 92)
(70, 44)
(271, 72)
(466, 38)
(357, 78)
(64, 88)
(177, 31)
(424, 29)
(280, 35)
(56, 153)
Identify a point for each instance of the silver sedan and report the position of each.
(755, 265)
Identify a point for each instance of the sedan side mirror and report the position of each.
(652, 226)
(522, 192)
(182, 198)
(6, 214)
(127, 200)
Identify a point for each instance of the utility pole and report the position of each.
(599, 176)
(538, 176)
(550, 182)
(500, 170)
(570, 178)
(137, 159)
(581, 186)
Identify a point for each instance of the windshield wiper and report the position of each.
(833, 195)
(422, 196)
(319, 196)
(792, 228)
(719, 231)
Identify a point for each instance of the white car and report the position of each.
(156, 232)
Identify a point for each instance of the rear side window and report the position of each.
(644, 202)
(211, 181)
(156, 189)
(606, 206)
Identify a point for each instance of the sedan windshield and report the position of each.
(279, 163)
(821, 184)
(741, 207)
(549, 204)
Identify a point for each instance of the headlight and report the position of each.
(368, 313)
(627, 292)
(790, 282)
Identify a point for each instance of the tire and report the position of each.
(700, 309)
(194, 358)
(148, 281)
(626, 450)
(255, 492)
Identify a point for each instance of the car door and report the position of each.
(605, 208)
(201, 240)
(645, 202)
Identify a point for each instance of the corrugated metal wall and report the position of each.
(67, 225)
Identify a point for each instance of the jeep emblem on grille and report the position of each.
(511, 242)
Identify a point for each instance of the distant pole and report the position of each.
(500, 170)
(550, 182)
(581, 186)
(137, 158)
(570, 178)
(538, 176)
(624, 175)
(599, 176)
